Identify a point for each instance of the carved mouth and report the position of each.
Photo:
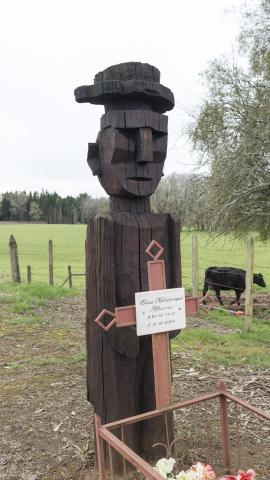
(140, 179)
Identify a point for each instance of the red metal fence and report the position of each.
(220, 435)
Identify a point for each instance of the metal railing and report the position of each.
(224, 423)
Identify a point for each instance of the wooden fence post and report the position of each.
(29, 274)
(14, 259)
(50, 262)
(69, 276)
(249, 284)
(195, 266)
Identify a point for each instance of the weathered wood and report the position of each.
(128, 158)
(225, 433)
(69, 276)
(120, 86)
(29, 274)
(249, 284)
(195, 266)
(14, 260)
(118, 360)
(50, 262)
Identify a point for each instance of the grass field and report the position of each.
(221, 340)
(32, 240)
(68, 242)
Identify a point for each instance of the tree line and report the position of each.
(180, 195)
(49, 207)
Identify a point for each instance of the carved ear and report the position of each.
(93, 158)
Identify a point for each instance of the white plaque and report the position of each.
(160, 311)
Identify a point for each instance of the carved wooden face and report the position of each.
(130, 151)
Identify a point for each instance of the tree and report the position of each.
(5, 206)
(91, 206)
(231, 130)
(169, 196)
(18, 209)
(184, 197)
(35, 212)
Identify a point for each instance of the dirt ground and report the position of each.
(47, 424)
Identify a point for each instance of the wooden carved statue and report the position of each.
(128, 158)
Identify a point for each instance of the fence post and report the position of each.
(50, 262)
(14, 259)
(29, 274)
(195, 266)
(69, 276)
(249, 284)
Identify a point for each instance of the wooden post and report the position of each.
(249, 284)
(195, 266)
(29, 274)
(14, 259)
(225, 427)
(50, 262)
(100, 449)
(69, 276)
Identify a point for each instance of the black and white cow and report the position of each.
(228, 278)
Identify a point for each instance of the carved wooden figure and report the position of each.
(128, 158)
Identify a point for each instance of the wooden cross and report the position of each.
(126, 316)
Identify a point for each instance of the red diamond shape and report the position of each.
(159, 252)
(101, 315)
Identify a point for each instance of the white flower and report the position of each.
(186, 476)
(199, 468)
(164, 466)
(202, 472)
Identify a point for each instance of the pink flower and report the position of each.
(229, 477)
(248, 475)
(205, 471)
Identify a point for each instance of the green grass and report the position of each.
(238, 347)
(23, 298)
(68, 242)
(79, 357)
(223, 251)
(32, 240)
(29, 320)
(202, 344)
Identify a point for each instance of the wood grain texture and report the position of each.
(14, 260)
(128, 158)
(119, 364)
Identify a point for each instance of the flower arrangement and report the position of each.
(199, 471)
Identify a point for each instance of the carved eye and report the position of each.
(157, 135)
(160, 140)
(127, 132)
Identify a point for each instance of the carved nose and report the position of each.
(144, 146)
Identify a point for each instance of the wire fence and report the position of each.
(34, 264)
(69, 260)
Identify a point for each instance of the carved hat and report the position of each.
(128, 82)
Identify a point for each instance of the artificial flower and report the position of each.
(198, 471)
(164, 466)
(203, 472)
(248, 475)
(186, 475)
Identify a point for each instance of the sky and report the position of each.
(49, 47)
